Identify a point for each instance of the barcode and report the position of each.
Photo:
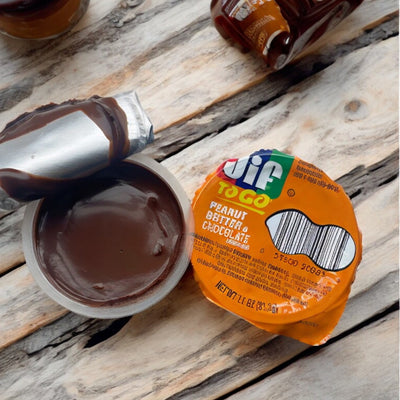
(329, 246)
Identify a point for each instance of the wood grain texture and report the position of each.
(318, 138)
(223, 353)
(24, 307)
(340, 371)
(242, 106)
(337, 107)
(332, 119)
(178, 70)
(11, 241)
(216, 342)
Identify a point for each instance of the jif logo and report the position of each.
(264, 171)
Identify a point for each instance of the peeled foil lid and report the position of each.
(43, 150)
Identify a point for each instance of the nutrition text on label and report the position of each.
(271, 278)
(314, 176)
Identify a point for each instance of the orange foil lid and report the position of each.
(277, 243)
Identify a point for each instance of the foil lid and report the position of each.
(44, 150)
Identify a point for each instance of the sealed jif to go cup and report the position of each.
(277, 243)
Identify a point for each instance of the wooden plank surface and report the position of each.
(218, 340)
(311, 137)
(11, 240)
(338, 371)
(336, 107)
(169, 49)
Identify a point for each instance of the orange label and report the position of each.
(277, 243)
(260, 21)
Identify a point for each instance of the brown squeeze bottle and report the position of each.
(278, 30)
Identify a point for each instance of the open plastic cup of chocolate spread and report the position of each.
(112, 244)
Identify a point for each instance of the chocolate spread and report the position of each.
(110, 237)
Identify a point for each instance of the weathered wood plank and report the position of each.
(184, 59)
(353, 120)
(281, 351)
(365, 178)
(182, 69)
(321, 138)
(107, 53)
(250, 364)
(362, 180)
(363, 365)
(192, 376)
(11, 253)
(24, 307)
(242, 106)
(218, 340)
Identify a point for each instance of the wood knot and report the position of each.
(355, 110)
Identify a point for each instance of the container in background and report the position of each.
(40, 19)
(278, 30)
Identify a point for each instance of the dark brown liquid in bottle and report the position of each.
(278, 30)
